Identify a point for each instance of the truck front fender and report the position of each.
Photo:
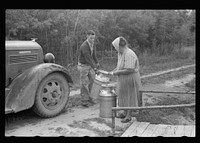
(23, 88)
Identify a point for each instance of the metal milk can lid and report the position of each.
(102, 78)
(107, 93)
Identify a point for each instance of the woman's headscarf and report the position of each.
(116, 43)
(121, 56)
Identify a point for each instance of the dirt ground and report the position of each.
(79, 121)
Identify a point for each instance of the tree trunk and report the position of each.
(76, 22)
(111, 51)
(47, 39)
(76, 55)
(21, 34)
(76, 36)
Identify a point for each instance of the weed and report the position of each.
(191, 84)
(173, 116)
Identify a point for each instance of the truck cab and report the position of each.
(33, 82)
(21, 55)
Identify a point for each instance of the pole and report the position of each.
(113, 122)
(140, 102)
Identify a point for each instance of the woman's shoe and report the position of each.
(121, 116)
(126, 120)
(135, 113)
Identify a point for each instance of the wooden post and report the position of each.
(111, 52)
(167, 71)
(113, 122)
(140, 99)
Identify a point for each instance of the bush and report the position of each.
(180, 54)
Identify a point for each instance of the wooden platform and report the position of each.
(144, 129)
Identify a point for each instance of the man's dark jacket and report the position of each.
(85, 56)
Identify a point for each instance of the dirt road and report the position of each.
(79, 121)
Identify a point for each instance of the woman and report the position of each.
(128, 77)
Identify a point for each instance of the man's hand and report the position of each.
(98, 65)
(110, 73)
(96, 71)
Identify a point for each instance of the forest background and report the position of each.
(150, 33)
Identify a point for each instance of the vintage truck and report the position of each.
(33, 80)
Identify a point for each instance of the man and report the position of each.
(87, 65)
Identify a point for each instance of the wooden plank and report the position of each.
(170, 131)
(154, 107)
(164, 72)
(188, 130)
(132, 127)
(139, 129)
(149, 130)
(179, 132)
(193, 131)
(173, 92)
(160, 130)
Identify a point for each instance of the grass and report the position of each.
(169, 76)
(149, 63)
(176, 116)
(154, 63)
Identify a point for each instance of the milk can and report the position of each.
(107, 100)
(96, 88)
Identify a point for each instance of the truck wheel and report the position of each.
(51, 96)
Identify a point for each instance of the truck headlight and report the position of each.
(49, 58)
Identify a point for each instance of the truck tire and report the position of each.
(51, 96)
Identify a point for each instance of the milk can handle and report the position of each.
(113, 91)
(100, 93)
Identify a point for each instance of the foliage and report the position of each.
(63, 31)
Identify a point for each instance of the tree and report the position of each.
(63, 31)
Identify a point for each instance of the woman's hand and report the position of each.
(98, 65)
(110, 73)
(113, 73)
(96, 71)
